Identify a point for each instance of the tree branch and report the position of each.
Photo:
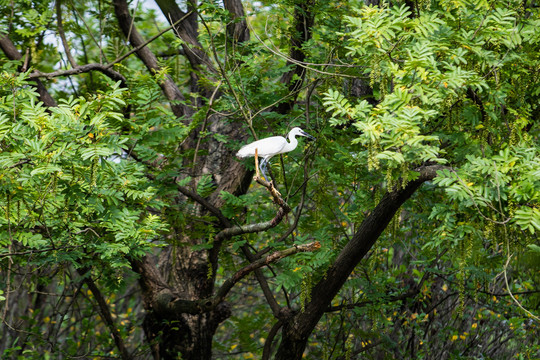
(187, 33)
(283, 210)
(13, 54)
(297, 331)
(79, 69)
(159, 297)
(170, 89)
(276, 256)
(106, 314)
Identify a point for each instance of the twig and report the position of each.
(510, 292)
(301, 63)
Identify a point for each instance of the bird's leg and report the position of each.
(263, 168)
(269, 180)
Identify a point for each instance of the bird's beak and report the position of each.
(308, 136)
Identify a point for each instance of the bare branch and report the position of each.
(283, 210)
(278, 255)
(60, 28)
(106, 314)
(114, 75)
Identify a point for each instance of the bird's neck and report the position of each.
(291, 145)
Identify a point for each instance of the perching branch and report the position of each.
(283, 210)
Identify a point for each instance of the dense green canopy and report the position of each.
(409, 229)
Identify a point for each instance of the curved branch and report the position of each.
(283, 210)
(275, 256)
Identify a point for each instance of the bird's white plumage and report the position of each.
(268, 147)
(265, 147)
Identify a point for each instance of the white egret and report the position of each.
(268, 147)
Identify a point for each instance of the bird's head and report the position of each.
(299, 132)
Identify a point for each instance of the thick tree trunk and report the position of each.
(173, 286)
(188, 337)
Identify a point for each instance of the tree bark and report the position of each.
(237, 30)
(298, 328)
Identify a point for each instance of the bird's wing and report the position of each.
(265, 147)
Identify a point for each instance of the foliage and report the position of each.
(93, 186)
